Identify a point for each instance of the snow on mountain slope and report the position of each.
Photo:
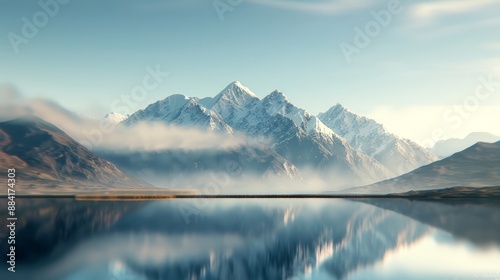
(206, 113)
(182, 111)
(115, 117)
(333, 149)
(235, 93)
(366, 135)
(297, 135)
(277, 103)
(234, 104)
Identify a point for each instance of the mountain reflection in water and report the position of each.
(254, 239)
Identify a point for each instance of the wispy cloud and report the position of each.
(322, 6)
(467, 26)
(147, 136)
(433, 10)
(139, 137)
(450, 17)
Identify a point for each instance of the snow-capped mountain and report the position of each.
(314, 140)
(181, 110)
(366, 135)
(277, 103)
(232, 103)
(115, 117)
(297, 135)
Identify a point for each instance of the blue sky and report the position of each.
(429, 57)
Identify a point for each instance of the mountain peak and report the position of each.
(32, 121)
(237, 84)
(172, 102)
(445, 148)
(277, 95)
(175, 98)
(277, 92)
(235, 90)
(371, 138)
(339, 108)
(115, 117)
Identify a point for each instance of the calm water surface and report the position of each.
(65, 239)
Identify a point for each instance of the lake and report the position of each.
(67, 239)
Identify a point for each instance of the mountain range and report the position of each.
(324, 142)
(366, 135)
(276, 139)
(476, 166)
(445, 148)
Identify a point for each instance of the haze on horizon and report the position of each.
(418, 75)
